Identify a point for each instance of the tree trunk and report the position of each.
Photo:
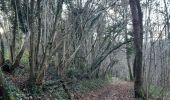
(1, 86)
(137, 20)
(3, 92)
(39, 31)
(15, 25)
(19, 55)
(2, 53)
(32, 47)
(125, 16)
(18, 18)
(128, 63)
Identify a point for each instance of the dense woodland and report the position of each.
(64, 49)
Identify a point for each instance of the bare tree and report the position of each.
(138, 41)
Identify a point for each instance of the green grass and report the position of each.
(94, 84)
(155, 91)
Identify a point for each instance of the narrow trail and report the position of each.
(119, 90)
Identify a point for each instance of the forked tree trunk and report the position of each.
(138, 42)
(18, 18)
(18, 58)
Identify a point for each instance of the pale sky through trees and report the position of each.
(63, 49)
(155, 15)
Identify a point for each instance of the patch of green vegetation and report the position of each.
(155, 91)
(81, 87)
(13, 91)
(94, 84)
(7, 54)
(25, 57)
(12, 98)
(61, 94)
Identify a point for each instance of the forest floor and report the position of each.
(118, 90)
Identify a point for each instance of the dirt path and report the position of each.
(119, 90)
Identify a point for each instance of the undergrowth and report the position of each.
(86, 86)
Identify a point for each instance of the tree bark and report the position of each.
(2, 52)
(15, 25)
(3, 92)
(125, 16)
(128, 63)
(39, 30)
(137, 20)
(18, 18)
(32, 47)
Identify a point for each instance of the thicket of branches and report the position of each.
(78, 39)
